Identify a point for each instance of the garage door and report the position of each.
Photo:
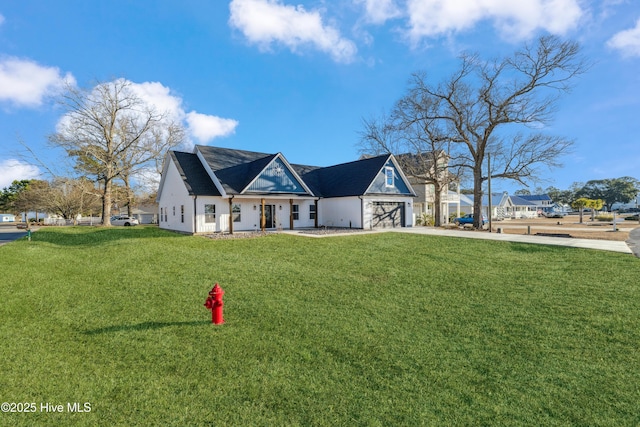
(388, 214)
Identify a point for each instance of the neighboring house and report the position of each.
(502, 206)
(542, 202)
(421, 173)
(519, 207)
(217, 189)
(7, 218)
(146, 214)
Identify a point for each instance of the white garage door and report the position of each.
(388, 214)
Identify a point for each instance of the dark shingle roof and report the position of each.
(346, 179)
(235, 169)
(193, 174)
(535, 197)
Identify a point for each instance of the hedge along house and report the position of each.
(217, 189)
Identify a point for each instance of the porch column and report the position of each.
(290, 214)
(263, 218)
(230, 215)
(315, 221)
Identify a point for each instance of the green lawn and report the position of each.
(380, 329)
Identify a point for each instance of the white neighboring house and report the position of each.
(502, 206)
(217, 189)
(7, 217)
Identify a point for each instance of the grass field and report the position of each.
(383, 329)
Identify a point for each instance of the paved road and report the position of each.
(634, 241)
(10, 234)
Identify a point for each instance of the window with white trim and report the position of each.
(235, 212)
(295, 212)
(312, 211)
(388, 176)
(209, 213)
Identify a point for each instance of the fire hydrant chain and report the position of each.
(214, 303)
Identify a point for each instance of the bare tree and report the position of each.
(111, 133)
(501, 107)
(420, 145)
(66, 197)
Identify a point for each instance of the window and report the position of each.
(312, 211)
(181, 213)
(209, 213)
(161, 213)
(235, 212)
(388, 176)
(174, 211)
(296, 212)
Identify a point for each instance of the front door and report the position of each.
(269, 215)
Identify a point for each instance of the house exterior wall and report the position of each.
(340, 212)
(173, 199)
(246, 218)
(7, 218)
(355, 212)
(250, 217)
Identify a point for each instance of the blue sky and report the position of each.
(298, 77)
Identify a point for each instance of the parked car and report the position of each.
(555, 214)
(468, 219)
(123, 220)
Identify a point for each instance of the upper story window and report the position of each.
(388, 176)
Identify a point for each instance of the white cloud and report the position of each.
(12, 169)
(26, 83)
(264, 22)
(379, 11)
(159, 96)
(514, 19)
(200, 126)
(205, 128)
(627, 41)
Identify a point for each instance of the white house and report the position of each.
(7, 217)
(217, 189)
(503, 206)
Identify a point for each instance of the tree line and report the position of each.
(65, 197)
(608, 191)
(111, 134)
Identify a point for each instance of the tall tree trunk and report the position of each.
(106, 203)
(477, 195)
(437, 208)
(129, 194)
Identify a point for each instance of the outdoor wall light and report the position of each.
(254, 207)
(280, 207)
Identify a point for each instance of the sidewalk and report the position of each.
(604, 245)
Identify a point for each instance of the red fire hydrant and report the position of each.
(214, 303)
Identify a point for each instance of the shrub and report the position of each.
(425, 219)
(604, 218)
